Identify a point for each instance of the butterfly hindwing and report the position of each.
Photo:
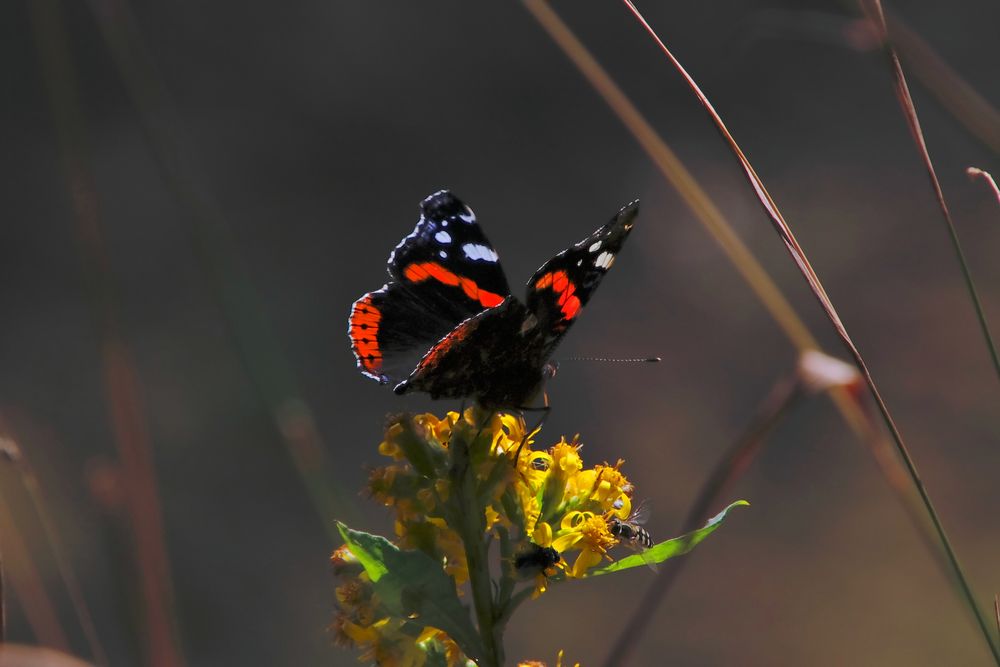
(487, 356)
(389, 332)
(562, 286)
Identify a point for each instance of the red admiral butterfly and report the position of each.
(446, 322)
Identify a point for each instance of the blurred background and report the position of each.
(194, 193)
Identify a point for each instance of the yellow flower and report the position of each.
(531, 508)
(534, 468)
(513, 436)
(539, 663)
(547, 497)
(559, 660)
(494, 517)
(439, 429)
(455, 564)
(542, 535)
(389, 447)
(587, 532)
(566, 457)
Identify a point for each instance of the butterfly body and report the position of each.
(446, 323)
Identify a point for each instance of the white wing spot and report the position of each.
(468, 216)
(594, 247)
(442, 237)
(605, 260)
(579, 262)
(476, 251)
(443, 254)
(444, 223)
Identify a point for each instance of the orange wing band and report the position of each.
(564, 289)
(421, 271)
(365, 320)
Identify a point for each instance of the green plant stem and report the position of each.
(472, 528)
(507, 581)
(259, 349)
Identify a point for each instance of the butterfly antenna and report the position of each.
(618, 360)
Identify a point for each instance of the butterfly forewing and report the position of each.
(449, 260)
(446, 324)
(560, 289)
(442, 274)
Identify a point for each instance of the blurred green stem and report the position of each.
(258, 347)
(472, 529)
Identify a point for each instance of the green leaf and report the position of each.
(678, 546)
(412, 585)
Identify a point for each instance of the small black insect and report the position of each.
(535, 559)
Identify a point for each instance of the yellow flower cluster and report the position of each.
(548, 498)
(384, 640)
(468, 477)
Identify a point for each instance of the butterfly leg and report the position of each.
(544, 410)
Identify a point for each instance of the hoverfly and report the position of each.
(630, 532)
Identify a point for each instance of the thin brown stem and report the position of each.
(819, 291)
(996, 610)
(29, 480)
(28, 586)
(975, 173)
(954, 93)
(471, 526)
(877, 16)
(259, 350)
(3, 598)
(757, 278)
(783, 397)
(120, 377)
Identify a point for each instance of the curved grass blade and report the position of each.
(975, 173)
(812, 279)
(873, 8)
(672, 548)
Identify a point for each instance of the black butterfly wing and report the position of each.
(488, 357)
(498, 356)
(442, 274)
(561, 288)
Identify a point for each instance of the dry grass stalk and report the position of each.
(13, 655)
(899, 480)
(815, 284)
(27, 584)
(975, 173)
(14, 454)
(121, 381)
(876, 15)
